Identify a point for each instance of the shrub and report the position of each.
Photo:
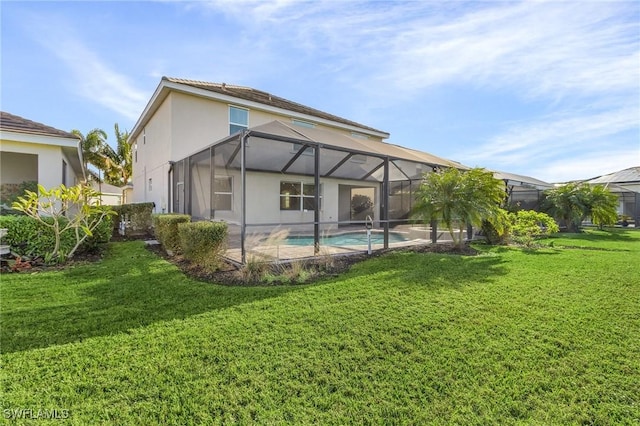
(31, 238)
(101, 234)
(166, 229)
(63, 210)
(203, 242)
(9, 193)
(498, 229)
(138, 217)
(529, 225)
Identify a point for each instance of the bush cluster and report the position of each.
(529, 225)
(203, 242)
(137, 215)
(166, 229)
(30, 238)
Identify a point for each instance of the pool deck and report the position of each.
(280, 252)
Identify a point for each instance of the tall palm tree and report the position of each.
(118, 162)
(453, 196)
(92, 149)
(118, 168)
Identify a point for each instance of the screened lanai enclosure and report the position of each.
(288, 191)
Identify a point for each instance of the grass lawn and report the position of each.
(510, 336)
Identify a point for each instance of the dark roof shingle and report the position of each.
(18, 124)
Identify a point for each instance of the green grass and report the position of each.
(511, 336)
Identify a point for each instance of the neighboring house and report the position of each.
(626, 184)
(258, 161)
(110, 195)
(523, 192)
(34, 152)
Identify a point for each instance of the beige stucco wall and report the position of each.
(153, 147)
(263, 199)
(50, 157)
(183, 125)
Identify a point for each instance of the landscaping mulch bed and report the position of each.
(232, 274)
(316, 268)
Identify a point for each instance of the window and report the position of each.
(303, 123)
(64, 173)
(150, 184)
(238, 119)
(297, 196)
(222, 193)
(359, 135)
(309, 151)
(135, 152)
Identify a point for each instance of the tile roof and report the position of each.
(249, 94)
(10, 122)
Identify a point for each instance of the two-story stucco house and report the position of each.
(35, 152)
(259, 162)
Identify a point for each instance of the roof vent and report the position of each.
(224, 86)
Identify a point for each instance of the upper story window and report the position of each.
(308, 151)
(302, 123)
(238, 119)
(359, 135)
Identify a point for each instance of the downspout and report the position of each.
(82, 165)
(169, 187)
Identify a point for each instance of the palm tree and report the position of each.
(92, 149)
(603, 206)
(118, 162)
(452, 196)
(574, 202)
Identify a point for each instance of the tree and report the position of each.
(603, 206)
(574, 202)
(118, 163)
(92, 146)
(463, 197)
(62, 209)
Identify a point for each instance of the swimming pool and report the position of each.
(346, 239)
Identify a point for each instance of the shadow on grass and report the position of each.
(433, 270)
(603, 235)
(131, 288)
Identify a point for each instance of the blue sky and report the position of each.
(545, 89)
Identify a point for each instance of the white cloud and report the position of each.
(556, 145)
(93, 79)
(588, 166)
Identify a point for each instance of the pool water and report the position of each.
(346, 239)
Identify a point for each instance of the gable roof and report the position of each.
(630, 175)
(13, 127)
(14, 123)
(244, 96)
(521, 180)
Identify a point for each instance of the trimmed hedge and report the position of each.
(28, 237)
(138, 216)
(166, 229)
(203, 242)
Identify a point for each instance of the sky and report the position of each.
(543, 89)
